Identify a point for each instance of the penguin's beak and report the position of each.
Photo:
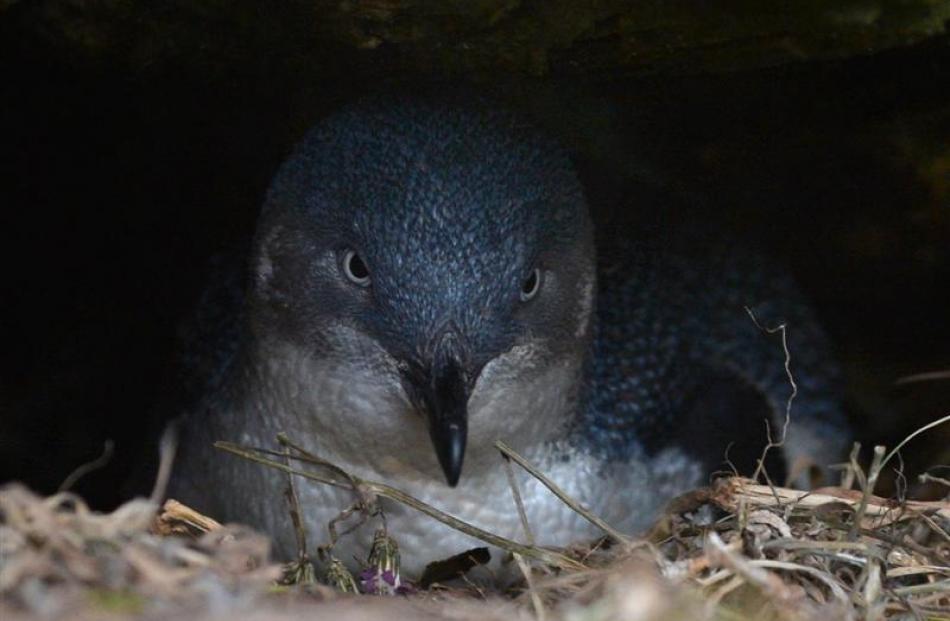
(447, 408)
(441, 388)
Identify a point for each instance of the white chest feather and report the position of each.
(365, 425)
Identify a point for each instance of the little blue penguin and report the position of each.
(424, 281)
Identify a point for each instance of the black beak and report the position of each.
(445, 392)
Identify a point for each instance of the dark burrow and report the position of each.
(120, 185)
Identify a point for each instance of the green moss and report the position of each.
(437, 38)
(118, 602)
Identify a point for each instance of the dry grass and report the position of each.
(735, 550)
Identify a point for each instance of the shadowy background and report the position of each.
(137, 140)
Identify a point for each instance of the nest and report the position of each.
(735, 550)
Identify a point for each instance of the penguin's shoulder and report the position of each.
(679, 361)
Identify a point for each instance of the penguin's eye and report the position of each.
(354, 268)
(531, 285)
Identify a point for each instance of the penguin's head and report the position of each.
(437, 256)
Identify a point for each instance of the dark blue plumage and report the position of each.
(677, 357)
(424, 281)
(418, 212)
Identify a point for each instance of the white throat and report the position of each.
(360, 415)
